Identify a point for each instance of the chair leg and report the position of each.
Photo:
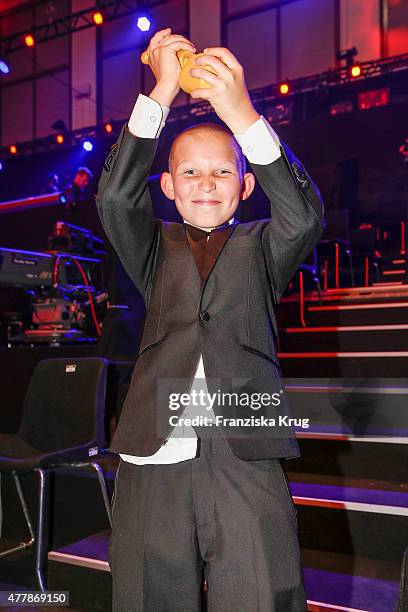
(24, 506)
(40, 553)
(104, 489)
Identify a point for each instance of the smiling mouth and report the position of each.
(206, 202)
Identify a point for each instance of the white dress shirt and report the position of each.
(260, 145)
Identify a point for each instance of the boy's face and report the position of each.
(205, 180)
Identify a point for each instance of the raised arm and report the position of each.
(125, 208)
(296, 205)
(123, 200)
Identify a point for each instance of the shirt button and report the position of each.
(153, 119)
(250, 149)
(204, 316)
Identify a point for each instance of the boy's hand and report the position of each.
(228, 94)
(165, 65)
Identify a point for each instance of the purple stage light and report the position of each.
(4, 67)
(143, 23)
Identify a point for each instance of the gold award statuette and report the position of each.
(187, 62)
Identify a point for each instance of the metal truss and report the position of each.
(333, 78)
(75, 22)
(263, 98)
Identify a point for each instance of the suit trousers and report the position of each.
(215, 517)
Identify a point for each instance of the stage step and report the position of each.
(374, 313)
(350, 582)
(362, 408)
(333, 581)
(349, 364)
(82, 569)
(342, 456)
(361, 517)
(344, 338)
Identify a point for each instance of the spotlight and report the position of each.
(87, 145)
(355, 71)
(60, 138)
(1, 166)
(284, 88)
(97, 18)
(4, 67)
(29, 40)
(143, 23)
(108, 128)
(13, 149)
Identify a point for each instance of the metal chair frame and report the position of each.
(37, 540)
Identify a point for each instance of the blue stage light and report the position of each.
(4, 67)
(87, 145)
(143, 23)
(1, 166)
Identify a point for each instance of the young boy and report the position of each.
(205, 501)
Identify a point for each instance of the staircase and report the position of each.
(350, 483)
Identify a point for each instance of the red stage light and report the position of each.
(284, 88)
(13, 149)
(341, 108)
(108, 128)
(97, 18)
(355, 71)
(29, 40)
(59, 138)
(374, 98)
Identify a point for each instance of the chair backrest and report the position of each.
(64, 406)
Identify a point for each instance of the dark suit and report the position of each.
(219, 513)
(229, 318)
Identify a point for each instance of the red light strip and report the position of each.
(359, 306)
(374, 354)
(344, 328)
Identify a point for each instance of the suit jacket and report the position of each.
(229, 318)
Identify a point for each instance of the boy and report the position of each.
(213, 501)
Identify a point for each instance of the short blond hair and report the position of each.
(213, 128)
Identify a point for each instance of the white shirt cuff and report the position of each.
(148, 117)
(260, 143)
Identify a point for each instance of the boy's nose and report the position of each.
(207, 183)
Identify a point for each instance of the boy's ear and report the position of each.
(248, 185)
(166, 183)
